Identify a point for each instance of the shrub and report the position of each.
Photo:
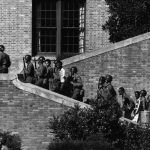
(109, 113)
(12, 141)
(137, 138)
(79, 145)
(79, 124)
(71, 125)
(101, 120)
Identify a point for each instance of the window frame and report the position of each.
(59, 18)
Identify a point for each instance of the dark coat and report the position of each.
(4, 62)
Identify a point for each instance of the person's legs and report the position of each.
(29, 79)
(39, 82)
(76, 94)
(5, 70)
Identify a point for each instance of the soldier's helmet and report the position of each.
(41, 59)
(109, 78)
(143, 93)
(102, 79)
(2, 48)
(28, 58)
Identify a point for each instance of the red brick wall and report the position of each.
(27, 114)
(129, 66)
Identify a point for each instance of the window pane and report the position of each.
(72, 29)
(46, 26)
(73, 24)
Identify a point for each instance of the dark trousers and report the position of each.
(4, 70)
(29, 79)
(39, 82)
(77, 94)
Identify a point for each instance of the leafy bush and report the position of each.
(137, 138)
(79, 124)
(101, 120)
(71, 125)
(79, 145)
(12, 141)
(110, 112)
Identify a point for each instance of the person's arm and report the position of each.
(8, 61)
(63, 75)
(42, 71)
(78, 82)
(29, 69)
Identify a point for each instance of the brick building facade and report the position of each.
(127, 61)
(17, 20)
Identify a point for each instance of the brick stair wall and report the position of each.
(28, 114)
(26, 109)
(127, 61)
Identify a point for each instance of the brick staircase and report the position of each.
(26, 109)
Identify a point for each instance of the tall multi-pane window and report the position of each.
(58, 27)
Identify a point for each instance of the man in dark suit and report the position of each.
(4, 60)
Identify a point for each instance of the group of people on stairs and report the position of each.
(53, 78)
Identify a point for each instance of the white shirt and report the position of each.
(62, 75)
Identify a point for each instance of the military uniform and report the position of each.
(29, 73)
(77, 92)
(4, 62)
(109, 91)
(101, 93)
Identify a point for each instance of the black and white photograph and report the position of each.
(74, 74)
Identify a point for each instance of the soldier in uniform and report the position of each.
(4, 60)
(100, 91)
(40, 72)
(109, 89)
(29, 70)
(76, 82)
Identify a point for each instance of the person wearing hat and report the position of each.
(40, 72)
(100, 91)
(77, 85)
(4, 60)
(29, 70)
(109, 89)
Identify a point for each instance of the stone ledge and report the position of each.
(115, 46)
(12, 74)
(9, 76)
(48, 94)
